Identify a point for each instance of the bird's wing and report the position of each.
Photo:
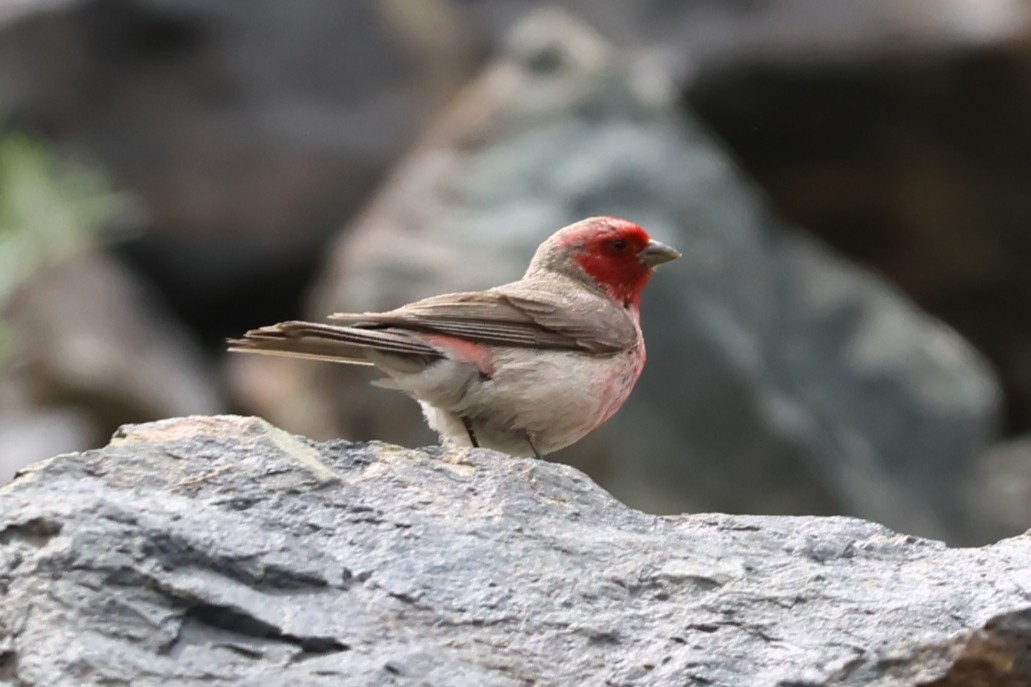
(515, 314)
(328, 342)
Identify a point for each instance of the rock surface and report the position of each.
(820, 389)
(223, 551)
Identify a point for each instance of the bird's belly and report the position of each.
(556, 397)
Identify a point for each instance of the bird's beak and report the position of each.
(656, 253)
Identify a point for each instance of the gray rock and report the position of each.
(780, 379)
(223, 551)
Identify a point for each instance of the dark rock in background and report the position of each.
(223, 551)
(917, 166)
(819, 389)
(250, 129)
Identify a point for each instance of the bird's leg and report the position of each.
(534, 448)
(469, 428)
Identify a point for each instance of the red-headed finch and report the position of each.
(526, 368)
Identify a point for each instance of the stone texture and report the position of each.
(780, 379)
(223, 551)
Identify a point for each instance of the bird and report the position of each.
(526, 368)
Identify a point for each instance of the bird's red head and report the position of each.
(618, 255)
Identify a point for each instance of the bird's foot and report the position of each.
(468, 424)
(536, 453)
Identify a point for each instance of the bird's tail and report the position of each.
(328, 342)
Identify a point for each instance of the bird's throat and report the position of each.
(623, 282)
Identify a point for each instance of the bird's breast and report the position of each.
(556, 396)
(617, 388)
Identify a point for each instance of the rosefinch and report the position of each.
(527, 367)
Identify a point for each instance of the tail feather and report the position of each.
(327, 342)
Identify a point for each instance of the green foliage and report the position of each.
(48, 210)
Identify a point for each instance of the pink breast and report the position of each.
(616, 390)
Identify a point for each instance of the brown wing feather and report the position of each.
(512, 315)
(328, 342)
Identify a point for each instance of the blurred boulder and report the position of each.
(999, 488)
(250, 129)
(696, 38)
(28, 435)
(909, 154)
(91, 350)
(780, 379)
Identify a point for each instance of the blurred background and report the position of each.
(849, 330)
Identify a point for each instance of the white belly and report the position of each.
(555, 397)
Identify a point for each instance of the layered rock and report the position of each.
(224, 551)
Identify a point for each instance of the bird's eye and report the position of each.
(619, 244)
